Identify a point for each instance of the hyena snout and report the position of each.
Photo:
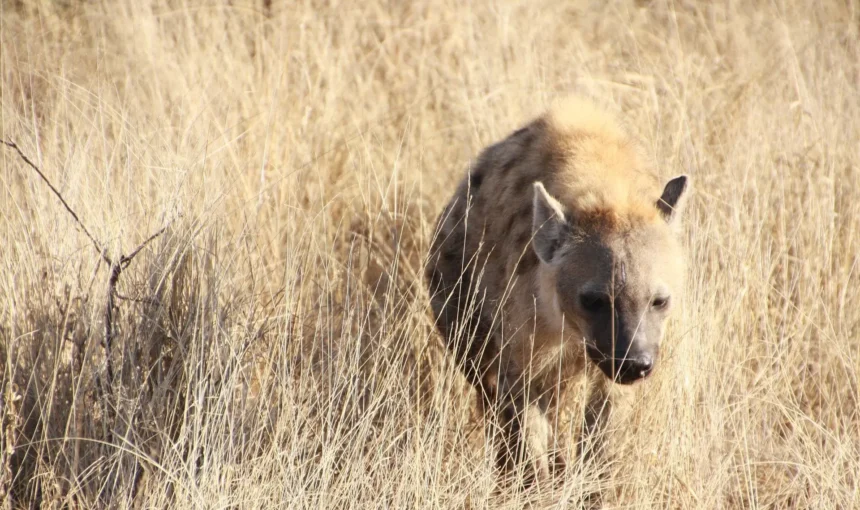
(635, 368)
(630, 360)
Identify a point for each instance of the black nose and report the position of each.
(633, 369)
(642, 365)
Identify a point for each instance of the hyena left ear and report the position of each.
(548, 224)
(674, 196)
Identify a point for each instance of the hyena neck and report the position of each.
(550, 323)
(546, 346)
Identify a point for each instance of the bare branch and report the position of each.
(32, 165)
(115, 268)
(115, 272)
(107, 342)
(126, 259)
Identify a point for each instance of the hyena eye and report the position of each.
(593, 302)
(660, 303)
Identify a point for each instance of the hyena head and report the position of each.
(613, 287)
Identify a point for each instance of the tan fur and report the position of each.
(603, 173)
(506, 314)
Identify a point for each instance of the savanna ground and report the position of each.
(274, 348)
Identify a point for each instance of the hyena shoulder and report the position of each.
(490, 205)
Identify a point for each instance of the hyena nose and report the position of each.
(642, 365)
(635, 368)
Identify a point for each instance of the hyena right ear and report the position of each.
(548, 224)
(671, 203)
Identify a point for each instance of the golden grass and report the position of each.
(276, 349)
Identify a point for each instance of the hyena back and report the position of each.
(558, 248)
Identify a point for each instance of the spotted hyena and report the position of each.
(558, 247)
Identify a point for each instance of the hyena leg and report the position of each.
(526, 432)
(598, 411)
(592, 443)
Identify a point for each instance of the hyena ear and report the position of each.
(548, 224)
(671, 203)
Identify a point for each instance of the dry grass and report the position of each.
(274, 347)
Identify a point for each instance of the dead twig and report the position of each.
(81, 225)
(115, 272)
(115, 267)
(125, 260)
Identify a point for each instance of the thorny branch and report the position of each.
(116, 268)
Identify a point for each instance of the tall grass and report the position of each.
(274, 347)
